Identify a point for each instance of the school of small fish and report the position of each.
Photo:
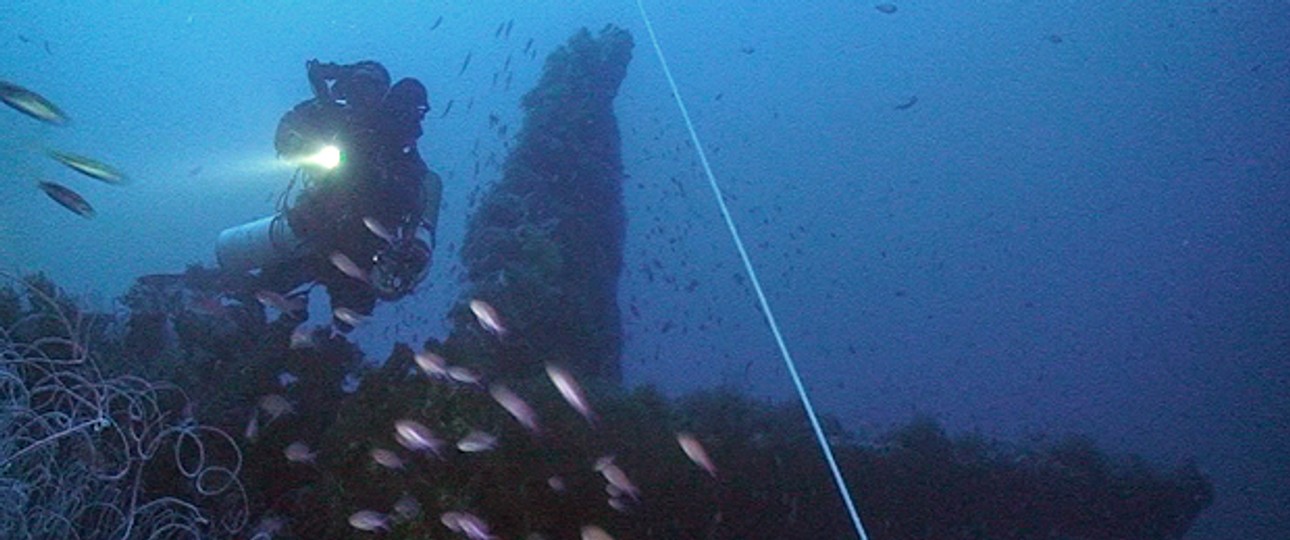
(622, 493)
(417, 438)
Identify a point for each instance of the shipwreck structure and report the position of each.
(545, 246)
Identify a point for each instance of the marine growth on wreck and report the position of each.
(546, 243)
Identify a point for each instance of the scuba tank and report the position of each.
(257, 244)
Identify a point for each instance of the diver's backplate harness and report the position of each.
(400, 264)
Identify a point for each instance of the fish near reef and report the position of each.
(694, 450)
(369, 520)
(299, 452)
(386, 458)
(516, 406)
(477, 441)
(488, 318)
(571, 391)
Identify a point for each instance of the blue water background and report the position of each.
(1082, 225)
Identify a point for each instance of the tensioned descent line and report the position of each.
(756, 283)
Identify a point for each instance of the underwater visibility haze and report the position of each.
(1027, 260)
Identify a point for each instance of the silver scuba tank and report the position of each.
(258, 243)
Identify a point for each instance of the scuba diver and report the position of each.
(365, 195)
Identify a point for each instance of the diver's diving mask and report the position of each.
(398, 268)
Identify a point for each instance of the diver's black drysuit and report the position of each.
(381, 177)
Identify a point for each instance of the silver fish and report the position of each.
(378, 229)
(407, 507)
(477, 441)
(488, 317)
(592, 532)
(556, 484)
(468, 524)
(70, 200)
(349, 316)
(275, 406)
(513, 404)
(252, 431)
(464, 375)
(299, 452)
(90, 167)
(386, 458)
(269, 526)
(369, 520)
(287, 378)
(277, 301)
(616, 477)
(432, 364)
(32, 104)
(347, 266)
(416, 437)
(694, 450)
(302, 338)
(571, 391)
